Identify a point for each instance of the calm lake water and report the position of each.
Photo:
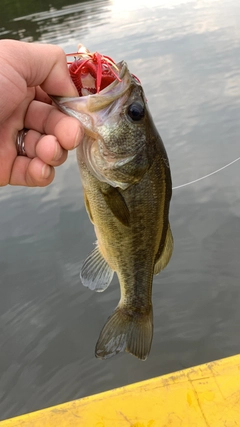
(187, 56)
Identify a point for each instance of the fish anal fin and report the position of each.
(95, 273)
(166, 253)
(117, 204)
(126, 331)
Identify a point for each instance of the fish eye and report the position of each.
(136, 111)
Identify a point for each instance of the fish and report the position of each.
(127, 186)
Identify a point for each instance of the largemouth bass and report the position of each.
(127, 189)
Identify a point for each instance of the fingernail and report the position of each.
(76, 94)
(46, 171)
(58, 153)
(78, 137)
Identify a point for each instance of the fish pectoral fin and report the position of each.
(87, 205)
(165, 255)
(126, 331)
(95, 273)
(117, 204)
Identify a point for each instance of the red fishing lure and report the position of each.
(91, 72)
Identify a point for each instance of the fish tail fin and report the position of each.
(128, 331)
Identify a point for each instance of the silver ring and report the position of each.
(20, 142)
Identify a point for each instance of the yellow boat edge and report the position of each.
(205, 395)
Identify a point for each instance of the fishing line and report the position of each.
(206, 176)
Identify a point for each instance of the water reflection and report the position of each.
(187, 55)
(44, 22)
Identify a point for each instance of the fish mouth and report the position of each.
(84, 107)
(112, 92)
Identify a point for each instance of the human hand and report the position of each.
(28, 73)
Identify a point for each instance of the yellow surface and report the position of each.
(207, 395)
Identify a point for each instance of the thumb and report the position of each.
(40, 65)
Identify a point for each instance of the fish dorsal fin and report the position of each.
(117, 204)
(166, 253)
(95, 273)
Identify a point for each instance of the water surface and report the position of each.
(187, 56)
